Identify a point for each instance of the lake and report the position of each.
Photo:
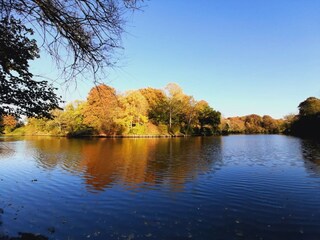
(232, 187)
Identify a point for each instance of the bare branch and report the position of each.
(89, 30)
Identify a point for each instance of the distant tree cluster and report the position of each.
(252, 124)
(307, 122)
(147, 111)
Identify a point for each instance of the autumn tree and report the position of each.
(174, 103)
(270, 124)
(157, 103)
(310, 106)
(135, 109)
(190, 113)
(20, 94)
(208, 118)
(235, 125)
(9, 122)
(101, 109)
(253, 123)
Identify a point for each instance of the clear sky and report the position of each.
(242, 56)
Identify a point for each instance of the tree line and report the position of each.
(304, 124)
(151, 111)
(147, 111)
(252, 124)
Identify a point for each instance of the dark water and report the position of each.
(235, 187)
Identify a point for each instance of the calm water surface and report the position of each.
(234, 187)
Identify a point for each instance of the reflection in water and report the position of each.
(110, 160)
(24, 236)
(52, 152)
(235, 187)
(130, 162)
(5, 149)
(311, 153)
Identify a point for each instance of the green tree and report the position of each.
(37, 126)
(70, 121)
(307, 123)
(20, 94)
(157, 104)
(208, 118)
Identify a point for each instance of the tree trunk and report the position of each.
(170, 121)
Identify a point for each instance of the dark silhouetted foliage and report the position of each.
(307, 123)
(19, 93)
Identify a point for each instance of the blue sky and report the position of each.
(243, 57)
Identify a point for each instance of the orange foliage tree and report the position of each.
(101, 109)
(9, 122)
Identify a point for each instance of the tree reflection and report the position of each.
(311, 154)
(137, 162)
(180, 160)
(110, 161)
(5, 146)
(24, 236)
(131, 163)
(52, 152)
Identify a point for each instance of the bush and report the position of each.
(19, 131)
(152, 129)
(163, 129)
(175, 130)
(138, 130)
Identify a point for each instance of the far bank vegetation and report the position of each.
(158, 112)
(148, 111)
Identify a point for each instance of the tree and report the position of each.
(189, 112)
(307, 123)
(253, 123)
(134, 107)
(69, 122)
(271, 125)
(235, 125)
(310, 106)
(9, 122)
(90, 30)
(174, 103)
(157, 102)
(101, 109)
(208, 117)
(19, 93)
